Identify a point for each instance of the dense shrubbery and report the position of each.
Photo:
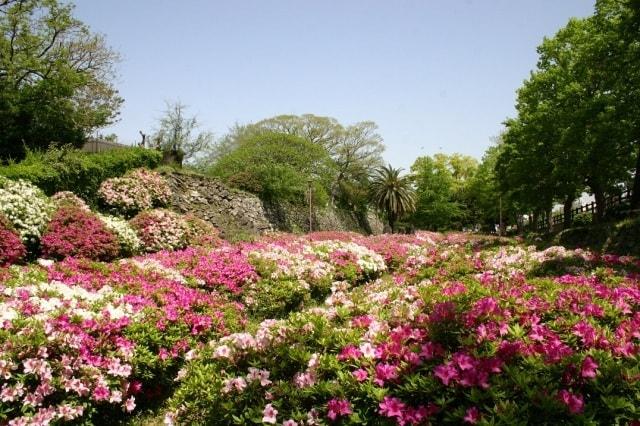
(25, 207)
(79, 172)
(276, 166)
(76, 232)
(12, 249)
(160, 229)
(138, 190)
(451, 333)
(129, 242)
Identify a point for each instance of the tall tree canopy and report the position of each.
(577, 123)
(354, 150)
(55, 77)
(276, 166)
(442, 183)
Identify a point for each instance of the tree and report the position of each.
(277, 167)
(392, 193)
(178, 132)
(55, 77)
(442, 192)
(355, 149)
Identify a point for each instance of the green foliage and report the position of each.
(392, 193)
(275, 298)
(276, 167)
(442, 187)
(354, 150)
(71, 170)
(577, 125)
(55, 78)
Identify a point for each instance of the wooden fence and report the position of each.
(610, 201)
(97, 145)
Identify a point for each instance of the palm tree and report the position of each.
(392, 193)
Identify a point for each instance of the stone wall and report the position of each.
(227, 209)
(232, 211)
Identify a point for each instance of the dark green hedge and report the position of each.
(77, 171)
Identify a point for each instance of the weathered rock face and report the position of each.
(231, 210)
(209, 199)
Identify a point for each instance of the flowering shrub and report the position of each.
(75, 232)
(201, 233)
(138, 190)
(465, 345)
(154, 183)
(26, 207)
(351, 261)
(446, 332)
(223, 268)
(68, 199)
(129, 242)
(160, 229)
(11, 248)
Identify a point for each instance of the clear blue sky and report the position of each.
(435, 75)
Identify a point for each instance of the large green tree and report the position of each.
(354, 149)
(55, 77)
(442, 191)
(576, 118)
(277, 167)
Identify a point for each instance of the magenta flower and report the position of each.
(360, 374)
(337, 408)
(391, 407)
(589, 368)
(446, 373)
(472, 415)
(574, 402)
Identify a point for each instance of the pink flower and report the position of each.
(130, 404)
(337, 408)
(446, 373)
(360, 374)
(269, 414)
(349, 352)
(574, 402)
(101, 393)
(472, 415)
(391, 407)
(589, 368)
(289, 422)
(385, 372)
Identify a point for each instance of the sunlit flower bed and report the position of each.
(329, 328)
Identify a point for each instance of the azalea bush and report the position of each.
(138, 190)
(25, 207)
(129, 242)
(11, 248)
(76, 232)
(329, 328)
(201, 233)
(461, 337)
(160, 229)
(68, 199)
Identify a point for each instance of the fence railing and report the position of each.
(557, 220)
(96, 145)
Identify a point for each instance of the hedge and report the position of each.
(80, 172)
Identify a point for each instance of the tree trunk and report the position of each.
(534, 221)
(392, 223)
(600, 203)
(635, 194)
(550, 219)
(568, 203)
